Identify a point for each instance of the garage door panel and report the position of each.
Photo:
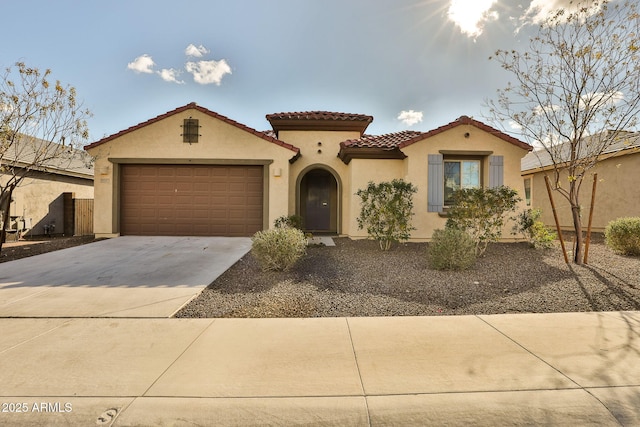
(210, 200)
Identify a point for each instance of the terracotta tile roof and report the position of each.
(387, 141)
(320, 115)
(203, 110)
(319, 121)
(408, 137)
(466, 120)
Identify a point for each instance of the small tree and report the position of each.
(576, 91)
(34, 113)
(481, 212)
(386, 211)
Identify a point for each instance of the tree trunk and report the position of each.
(577, 226)
(5, 204)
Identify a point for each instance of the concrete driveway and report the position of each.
(128, 276)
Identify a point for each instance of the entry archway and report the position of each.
(318, 200)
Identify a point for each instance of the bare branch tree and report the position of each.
(42, 125)
(576, 91)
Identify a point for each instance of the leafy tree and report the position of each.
(481, 212)
(576, 91)
(386, 211)
(35, 112)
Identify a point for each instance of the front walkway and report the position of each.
(567, 369)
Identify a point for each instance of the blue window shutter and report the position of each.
(436, 183)
(496, 171)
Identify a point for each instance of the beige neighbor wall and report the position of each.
(454, 140)
(319, 149)
(161, 142)
(38, 199)
(617, 193)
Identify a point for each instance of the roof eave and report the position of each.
(466, 120)
(203, 110)
(346, 154)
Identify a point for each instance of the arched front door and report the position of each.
(319, 201)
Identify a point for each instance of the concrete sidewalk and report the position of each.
(554, 369)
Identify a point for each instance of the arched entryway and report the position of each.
(318, 201)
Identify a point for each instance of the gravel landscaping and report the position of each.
(355, 278)
(12, 251)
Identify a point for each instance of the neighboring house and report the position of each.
(617, 189)
(192, 171)
(37, 205)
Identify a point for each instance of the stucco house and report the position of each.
(37, 204)
(617, 189)
(192, 171)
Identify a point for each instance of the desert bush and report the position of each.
(528, 224)
(279, 248)
(386, 211)
(623, 235)
(481, 212)
(451, 249)
(293, 221)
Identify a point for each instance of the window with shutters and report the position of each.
(459, 174)
(450, 172)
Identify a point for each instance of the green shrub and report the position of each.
(623, 235)
(386, 211)
(534, 231)
(451, 249)
(278, 249)
(293, 221)
(481, 213)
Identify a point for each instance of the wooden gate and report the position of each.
(78, 216)
(83, 217)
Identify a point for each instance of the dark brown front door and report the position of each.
(318, 196)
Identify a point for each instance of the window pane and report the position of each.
(451, 180)
(527, 191)
(470, 174)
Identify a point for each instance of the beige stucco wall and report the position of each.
(364, 171)
(161, 142)
(38, 199)
(454, 140)
(617, 193)
(319, 149)
(359, 172)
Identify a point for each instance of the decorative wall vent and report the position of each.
(190, 130)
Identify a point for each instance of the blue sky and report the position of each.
(135, 59)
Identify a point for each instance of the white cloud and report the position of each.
(204, 72)
(471, 15)
(601, 98)
(515, 125)
(410, 117)
(196, 52)
(142, 64)
(170, 75)
(208, 72)
(539, 10)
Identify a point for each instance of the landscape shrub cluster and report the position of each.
(528, 224)
(451, 249)
(278, 249)
(386, 211)
(623, 235)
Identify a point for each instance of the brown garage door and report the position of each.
(191, 200)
